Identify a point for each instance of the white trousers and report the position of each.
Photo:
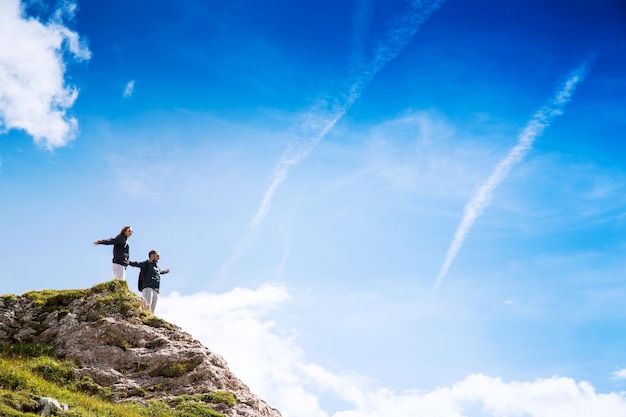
(119, 271)
(151, 295)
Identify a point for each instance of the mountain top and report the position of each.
(116, 349)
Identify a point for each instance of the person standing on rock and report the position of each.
(121, 251)
(150, 277)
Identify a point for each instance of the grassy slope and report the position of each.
(29, 371)
(24, 379)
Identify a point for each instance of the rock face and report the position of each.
(121, 346)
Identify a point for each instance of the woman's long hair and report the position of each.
(124, 229)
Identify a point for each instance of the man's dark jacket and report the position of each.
(149, 274)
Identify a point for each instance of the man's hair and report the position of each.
(124, 229)
(152, 252)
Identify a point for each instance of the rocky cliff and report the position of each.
(113, 340)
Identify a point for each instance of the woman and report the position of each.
(121, 251)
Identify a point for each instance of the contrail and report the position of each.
(361, 20)
(292, 156)
(535, 127)
(317, 126)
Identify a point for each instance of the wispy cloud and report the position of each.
(33, 94)
(319, 122)
(237, 325)
(360, 23)
(535, 127)
(129, 89)
(621, 374)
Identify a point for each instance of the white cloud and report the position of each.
(33, 94)
(129, 89)
(621, 374)
(417, 151)
(553, 397)
(136, 179)
(236, 325)
(233, 325)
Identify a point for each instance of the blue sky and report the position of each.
(368, 207)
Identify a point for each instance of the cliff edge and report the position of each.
(112, 340)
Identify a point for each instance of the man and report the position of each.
(150, 277)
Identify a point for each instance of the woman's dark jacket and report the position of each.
(121, 250)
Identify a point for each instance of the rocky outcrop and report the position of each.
(50, 406)
(122, 347)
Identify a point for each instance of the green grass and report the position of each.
(196, 409)
(223, 397)
(9, 298)
(217, 397)
(23, 379)
(27, 349)
(54, 299)
(116, 298)
(175, 369)
(31, 370)
(20, 384)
